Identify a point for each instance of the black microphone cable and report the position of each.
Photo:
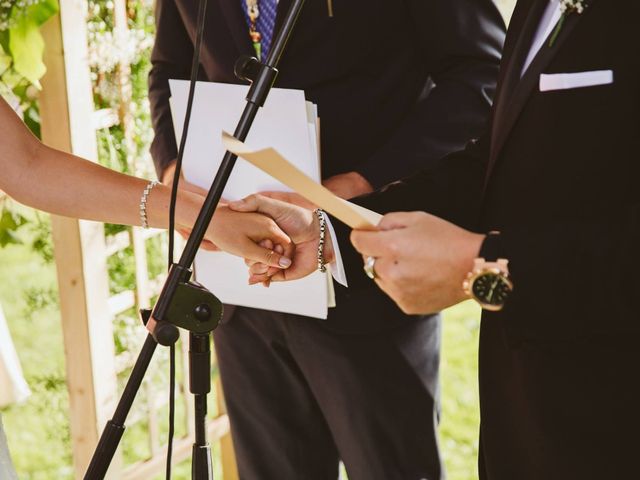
(195, 68)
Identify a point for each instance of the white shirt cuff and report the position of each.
(337, 267)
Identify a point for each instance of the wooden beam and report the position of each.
(66, 107)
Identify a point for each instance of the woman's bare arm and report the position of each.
(63, 184)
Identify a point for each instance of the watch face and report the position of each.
(491, 289)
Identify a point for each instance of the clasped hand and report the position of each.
(421, 260)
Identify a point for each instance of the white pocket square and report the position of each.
(565, 81)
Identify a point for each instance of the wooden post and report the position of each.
(66, 110)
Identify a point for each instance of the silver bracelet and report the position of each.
(323, 226)
(143, 203)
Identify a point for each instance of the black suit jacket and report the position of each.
(369, 69)
(558, 175)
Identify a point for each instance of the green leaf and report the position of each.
(43, 10)
(10, 222)
(27, 46)
(26, 43)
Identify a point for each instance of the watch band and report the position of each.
(491, 249)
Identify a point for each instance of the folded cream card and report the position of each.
(270, 161)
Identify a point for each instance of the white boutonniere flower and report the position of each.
(567, 7)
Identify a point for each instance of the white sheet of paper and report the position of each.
(286, 121)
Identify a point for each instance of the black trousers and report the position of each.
(301, 397)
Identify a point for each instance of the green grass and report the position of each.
(38, 430)
(459, 373)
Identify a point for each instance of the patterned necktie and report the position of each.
(265, 23)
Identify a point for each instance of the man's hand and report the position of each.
(290, 197)
(300, 224)
(421, 260)
(348, 185)
(251, 236)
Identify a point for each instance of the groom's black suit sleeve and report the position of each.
(581, 270)
(460, 45)
(451, 189)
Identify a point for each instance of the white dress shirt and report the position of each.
(548, 22)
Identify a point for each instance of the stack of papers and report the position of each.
(287, 122)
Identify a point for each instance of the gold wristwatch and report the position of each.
(489, 283)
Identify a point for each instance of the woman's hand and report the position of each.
(301, 225)
(243, 234)
(421, 260)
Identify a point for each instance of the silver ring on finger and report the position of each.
(370, 267)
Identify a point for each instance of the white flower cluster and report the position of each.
(10, 10)
(571, 6)
(108, 49)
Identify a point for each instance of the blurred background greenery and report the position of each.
(38, 430)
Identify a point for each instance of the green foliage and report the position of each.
(21, 67)
(38, 430)
(22, 45)
(40, 232)
(38, 300)
(26, 43)
(460, 404)
(10, 221)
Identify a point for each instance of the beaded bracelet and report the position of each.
(143, 203)
(323, 225)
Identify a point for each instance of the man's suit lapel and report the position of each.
(514, 62)
(232, 11)
(517, 91)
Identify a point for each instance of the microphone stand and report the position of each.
(184, 303)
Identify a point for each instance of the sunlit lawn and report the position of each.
(38, 431)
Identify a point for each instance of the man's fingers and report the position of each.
(388, 241)
(258, 269)
(260, 204)
(266, 243)
(256, 279)
(252, 203)
(267, 256)
(282, 196)
(392, 221)
(377, 243)
(278, 237)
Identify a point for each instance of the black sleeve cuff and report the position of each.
(491, 249)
